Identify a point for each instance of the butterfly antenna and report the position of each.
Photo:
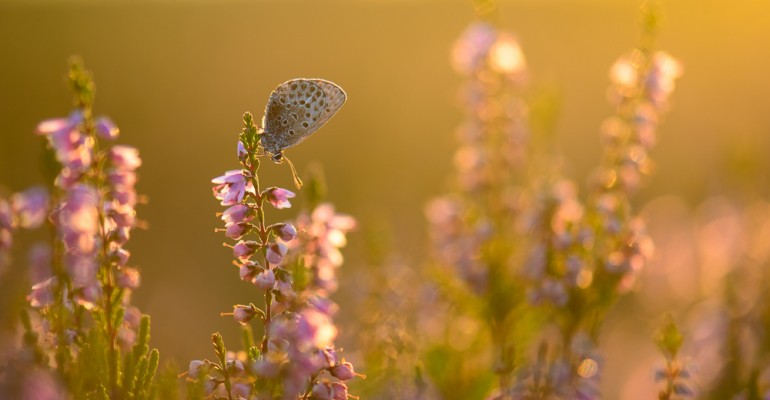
(297, 181)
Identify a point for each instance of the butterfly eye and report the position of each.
(305, 124)
(291, 132)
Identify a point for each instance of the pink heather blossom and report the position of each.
(265, 280)
(79, 219)
(125, 158)
(54, 125)
(279, 198)
(285, 232)
(106, 128)
(89, 296)
(42, 293)
(132, 317)
(231, 187)
(236, 231)
(316, 327)
(470, 51)
(122, 178)
(120, 256)
(322, 391)
(339, 391)
(343, 371)
(242, 153)
(243, 314)
(71, 147)
(663, 73)
(237, 213)
(275, 253)
(31, 207)
(129, 278)
(243, 250)
(195, 367)
(249, 270)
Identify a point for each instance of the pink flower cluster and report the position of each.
(28, 210)
(94, 215)
(298, 322)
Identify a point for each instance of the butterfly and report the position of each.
(296, 109)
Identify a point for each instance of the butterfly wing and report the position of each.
(335, 98)
(296, 109)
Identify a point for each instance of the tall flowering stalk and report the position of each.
(293, 265)
(475, 230)
(506, 236)
(590, 254)
(82, 300)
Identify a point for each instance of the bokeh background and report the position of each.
(176, 77)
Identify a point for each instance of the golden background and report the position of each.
(176, 77)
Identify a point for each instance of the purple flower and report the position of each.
(236, 231)
(195, 368)
(129, 278)
(248, 270)
(106, 128)
(243, 314)
(265, 280)
(242, 153)
(243, 250)
(343, 371)
(237, 213)
(125, 158)
(286, 232)
(470, 51)
(275, 253)
(279, 198)
(72, 148)
(42, 293)
(31, 207)
(231, 187)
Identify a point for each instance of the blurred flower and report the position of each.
(106, 128)
(31, 207)
(125, 158)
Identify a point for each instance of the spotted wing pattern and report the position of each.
(296, 109)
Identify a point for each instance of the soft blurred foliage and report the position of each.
(176, 77)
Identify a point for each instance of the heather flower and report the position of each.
(249, 270)
(275, 253)
(42, 293)
(236, 230)
(125, 158)
(242, 153)
(472, 48)
(343, 371)
(285, 232)
(661, 79)
(243, 250)
(31, 207)
(237, 213)
(129, 278)
(231, 187)
(279, 198)
(6, 226)
(72, 148)
(265, 280)
(244, 314)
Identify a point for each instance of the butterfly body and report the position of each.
(295, 110)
